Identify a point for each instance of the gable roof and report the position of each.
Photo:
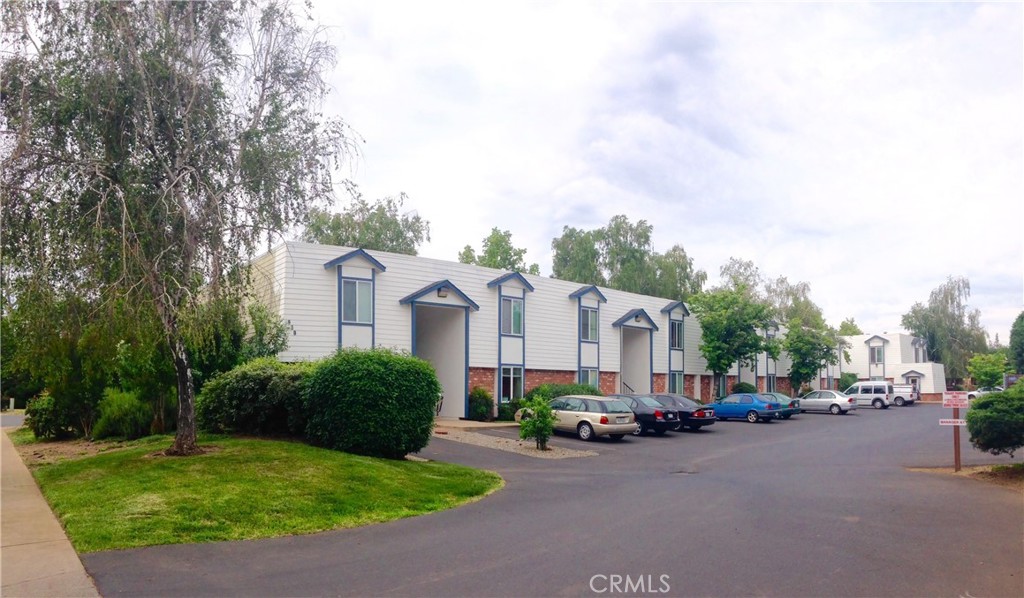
(881, 338)
(434, 286)
(516, 276)
(588, 289)
(912, 373)
(637, 315)
(676, 305)
(358, 253)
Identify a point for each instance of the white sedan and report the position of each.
(832, 401)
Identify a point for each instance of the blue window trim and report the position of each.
(358, 253)
(501, 375)
(373, 305)
(412, 336)
(501, 306)
(430, 288)
(499, 281)
(580, 341)
(501, 358)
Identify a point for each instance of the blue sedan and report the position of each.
(752, 407)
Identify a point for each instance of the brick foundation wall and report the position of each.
(730, 381)
(762, 384)
(660, 383)
(609, 382)
(782, 385)
(931, 397)
(534, 378)
(688, 382)
(705, 389)
(485, 378)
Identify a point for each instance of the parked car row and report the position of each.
(638, 414)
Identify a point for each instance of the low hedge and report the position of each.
(553, 391)
(743, 387)
(47, 419)
(372, 402)
(261, 397)
(481, 405)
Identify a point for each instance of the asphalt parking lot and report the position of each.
(819, 505)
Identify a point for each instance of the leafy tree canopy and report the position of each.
(849, 328)
(498, 252)
(732, 329)
(987, 369)
(952, 331)
(154, 146)
(381, 225)
(620, 256)
(809, 348)
(1017, 344)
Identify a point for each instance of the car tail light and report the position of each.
(850, 401)
(699, 413)
(658, 414)
(604, 419)
(771, 406)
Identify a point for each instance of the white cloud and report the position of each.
(826, 142)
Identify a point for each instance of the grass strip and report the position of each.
(242, 489)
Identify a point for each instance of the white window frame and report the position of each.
(366, 302)
(511, 373)
(676, 383)
(591, 376)
(509, 306)
(589, 318)
(876, 358)
(675, 334)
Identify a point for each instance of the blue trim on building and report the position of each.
(668, 309)
(497, 282)
(430, 288)
(358, 253)
(373, 305)
(412, 342)
(632, 314)
(588, 289)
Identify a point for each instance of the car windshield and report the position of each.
(649, 402)
(617, 406)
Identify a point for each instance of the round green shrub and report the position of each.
(743, 387)
(996, 421)
(122, 414)
(262, 397)
(481, 405)
(46, 419)
(371, 402)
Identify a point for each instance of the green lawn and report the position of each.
(242, 489)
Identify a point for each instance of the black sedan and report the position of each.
(693, 415)
(651, 416)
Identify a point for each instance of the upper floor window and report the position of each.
(512, 316)
(877, 354)
(588, 324)
(357, 301)
(675, 334)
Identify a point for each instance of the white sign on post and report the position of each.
(954, 400)
(952, 422)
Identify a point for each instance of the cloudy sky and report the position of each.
(870, 149)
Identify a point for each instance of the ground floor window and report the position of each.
(511, 383)
(675, 382)
(589, 376)
(770, 382)
(830, 383)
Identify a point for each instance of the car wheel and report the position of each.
(900, 402)
(835, 409)
(585, 431)
(639, 431)
(678, 427)
(877, 404)
(752, 417)
(616, 436)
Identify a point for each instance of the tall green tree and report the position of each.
(499, 252)
(155, 146)
(620, 256)
(576, 257)
(792, 301)
(381, 225)
(952, 331)
(987, 369)
(1017, 344)
(732, 328)
(809, 348)
(849, 327)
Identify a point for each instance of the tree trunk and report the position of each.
(185, 438)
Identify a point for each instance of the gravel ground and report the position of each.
(523, 447)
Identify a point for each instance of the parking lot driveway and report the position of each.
(813, 506)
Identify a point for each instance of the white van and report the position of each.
(874, 393)
(905, 394)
